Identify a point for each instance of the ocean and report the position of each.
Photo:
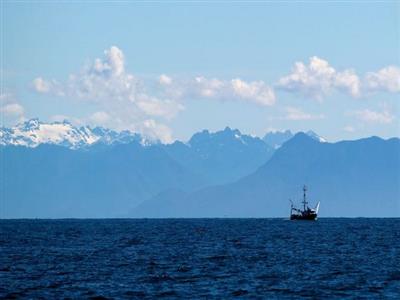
(200, 258)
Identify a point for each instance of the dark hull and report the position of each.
(305, 217)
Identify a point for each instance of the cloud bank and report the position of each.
(318, 79)
(127, 102)
(371, 116)
(10, 109)
(386, 79)
(296, 114)
(200, 87)
(122, 100)
(121, 97)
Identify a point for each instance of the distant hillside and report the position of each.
(68, 178)
(53, 181)
(275, 139)
(221, 157)
(350, 178)
(59, 170)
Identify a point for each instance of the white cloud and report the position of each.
(256, 92)
(370, 116)
(112, 65)
(10, 109)
(123, 101)
(100, 117)
(208, 88)
(349, 128)
(296, 114)
(386, 79)
(154, 107)
(41, 85)
(318, 79)
(349, 82)
(155, 130)
(48, 86)
(130, 102)
(13, 109)
(121, 98)
(165, 80)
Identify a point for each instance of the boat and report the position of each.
(307, 213)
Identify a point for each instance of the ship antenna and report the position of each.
(304, 197)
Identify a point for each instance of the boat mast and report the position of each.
(304, 197)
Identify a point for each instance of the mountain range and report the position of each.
(351, 179)
(53, 170)
(33, 133)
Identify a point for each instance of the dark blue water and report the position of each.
(203, 258)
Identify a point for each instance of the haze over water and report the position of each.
(198, 258)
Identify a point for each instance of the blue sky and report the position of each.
(170, 69)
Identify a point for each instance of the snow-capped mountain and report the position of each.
(315, 136)
(33, 133)
(221, 156)
(275, 139)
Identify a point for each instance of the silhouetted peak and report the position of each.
(302, 135)
(315, 136)
(230, 131)
(30, 124)
(222, 134)
(299, 139)
(199, 136)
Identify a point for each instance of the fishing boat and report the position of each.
(309, 214)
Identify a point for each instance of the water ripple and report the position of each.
(200, 258)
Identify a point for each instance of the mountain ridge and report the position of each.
(214, 174)
(350, 178)
(33, 132)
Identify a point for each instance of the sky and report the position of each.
(169, 69)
